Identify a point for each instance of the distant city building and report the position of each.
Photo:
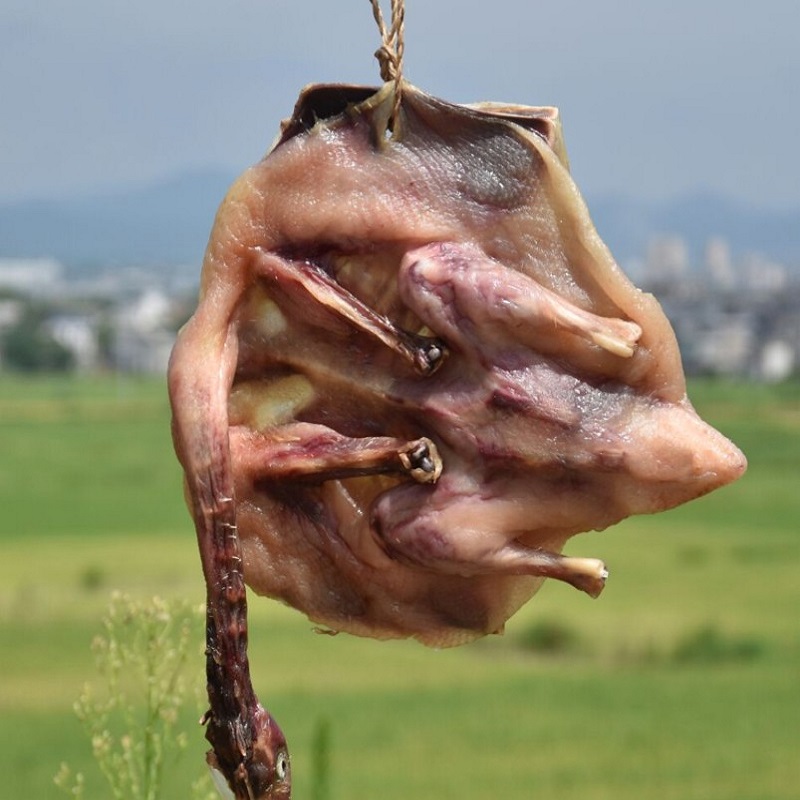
(143, 340)
(763, 276)
(31, 276)
(718, 265)
(667, 260)
(777, 361)
(78, 335)
(728, 347)
(10, 313)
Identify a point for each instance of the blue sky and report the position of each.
(657, 98)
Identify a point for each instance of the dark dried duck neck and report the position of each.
(230, 690)
(247, 743)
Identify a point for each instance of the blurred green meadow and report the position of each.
(682, 681)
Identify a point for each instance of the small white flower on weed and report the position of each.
(131, 718)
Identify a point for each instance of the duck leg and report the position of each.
(306, 452)
(456, 282)
(424, 354)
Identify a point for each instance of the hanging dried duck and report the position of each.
(414, 372)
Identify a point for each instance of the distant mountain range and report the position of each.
(168, 223)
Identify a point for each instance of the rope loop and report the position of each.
(390, 53)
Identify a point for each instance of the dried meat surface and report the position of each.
(415, 371)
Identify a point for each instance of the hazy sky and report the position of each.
(657, 97)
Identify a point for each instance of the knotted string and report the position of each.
(390, 53)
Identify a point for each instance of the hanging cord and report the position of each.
(390, 53)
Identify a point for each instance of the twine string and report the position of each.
(390, 53)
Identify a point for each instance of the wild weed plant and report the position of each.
(131, 718)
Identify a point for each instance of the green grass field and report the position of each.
(682, 681)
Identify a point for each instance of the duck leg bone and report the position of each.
(587, 574)
(314, 452)
(424, 354)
